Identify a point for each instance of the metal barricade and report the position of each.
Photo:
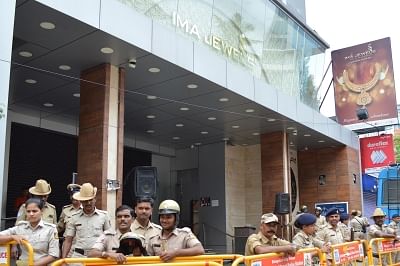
(302, 257)
(349, 253)
(5, 252)
(155, 260)
(383, 250)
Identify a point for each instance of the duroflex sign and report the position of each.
(376, 152)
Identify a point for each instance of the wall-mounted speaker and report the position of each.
(282, 203)
(141, 181)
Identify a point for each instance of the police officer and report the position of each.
(321, 220)
(41, 235)
(331, 233)
(266, 241)
(86, 225)
(142, 224)
(108, 243)
(358, 224)
(394, 224)
(379, 229)
(70, 209)
(173, 242)
(42, 191)
(344, 226)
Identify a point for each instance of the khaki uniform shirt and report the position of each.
(86, 229)
(65, 216)
(180, 238)
(331, 235)
(109, 241)
(346, 232)
(394, 226)
(43, 238)
(302, 240)
(259, 239)
(148, 232)
(321, 222)
(373, 229)
(48, 214)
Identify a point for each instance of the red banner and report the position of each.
(364, 79)
(300, 259)
(376, 152)
(389, 245)
(348, 252)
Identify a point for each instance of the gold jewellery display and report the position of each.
(364, 98)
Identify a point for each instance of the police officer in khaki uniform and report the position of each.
(266, 241)
(359, 225)
(394, 224)
(70, 209)
(173, 242)
(142, 224)
(344, 226)
(107, 244)
(41, 235)
(321, 220)
(331, 234)
(379, 229)
(42, 191)
(86, 225)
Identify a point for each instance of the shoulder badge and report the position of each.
(67, 206)
(185, 229)
(110, 232)
(157, 226)
(22, 222)
(50, 205)
(49, 224)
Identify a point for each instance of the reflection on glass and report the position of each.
(252, 33)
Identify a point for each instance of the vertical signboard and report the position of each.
(363, 79)
(376, 152)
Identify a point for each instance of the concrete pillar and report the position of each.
(101, 124)
(7, 14)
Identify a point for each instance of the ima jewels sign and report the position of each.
(376, 152)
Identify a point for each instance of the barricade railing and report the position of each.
(383, 249)
(154, 260)
(5, 252)
(302, 257)
(349, 253)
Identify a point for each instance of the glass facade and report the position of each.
(255, 34)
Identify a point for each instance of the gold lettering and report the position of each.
(195, 31)
(207, 39)
(216, 42)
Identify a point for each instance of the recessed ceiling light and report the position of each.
(150, 131)
(107, 50)
(235, 126)
(307, 135)
(30, 81)
(64, 67)
(192, 86)
(244, 144)
(184, 108)
(212, 118)
(77, 95)
(321, 141)
(179, 125)
(48, 104)
(204, 132)
(271, 119)
(47, 25)
(249, 111)
(255, 134)
(223, 99)
(150, 116)
(154, 70)
(151, 97)
(25, 54)
(225, 139)
(290, 128)
(175, 138)
(197, 143)
(294, 133)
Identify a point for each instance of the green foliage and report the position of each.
(397, 147)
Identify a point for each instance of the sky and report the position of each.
(344, 23)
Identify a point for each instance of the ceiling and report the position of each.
(183, 115)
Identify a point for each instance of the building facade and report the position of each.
(220, 96)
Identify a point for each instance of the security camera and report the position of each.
(132, 63)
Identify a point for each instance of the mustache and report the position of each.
(271, 231)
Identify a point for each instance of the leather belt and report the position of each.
(80, 251)
(358, 231)
(375, 256)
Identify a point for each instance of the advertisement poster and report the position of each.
(363, 79)
(376, 152)
(300, 259)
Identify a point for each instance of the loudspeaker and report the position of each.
(362, 113)
(140, 182)
(282, 203)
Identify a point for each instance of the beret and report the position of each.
(332, 211)
(395, 215)
(344, 216)
(305, 219)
